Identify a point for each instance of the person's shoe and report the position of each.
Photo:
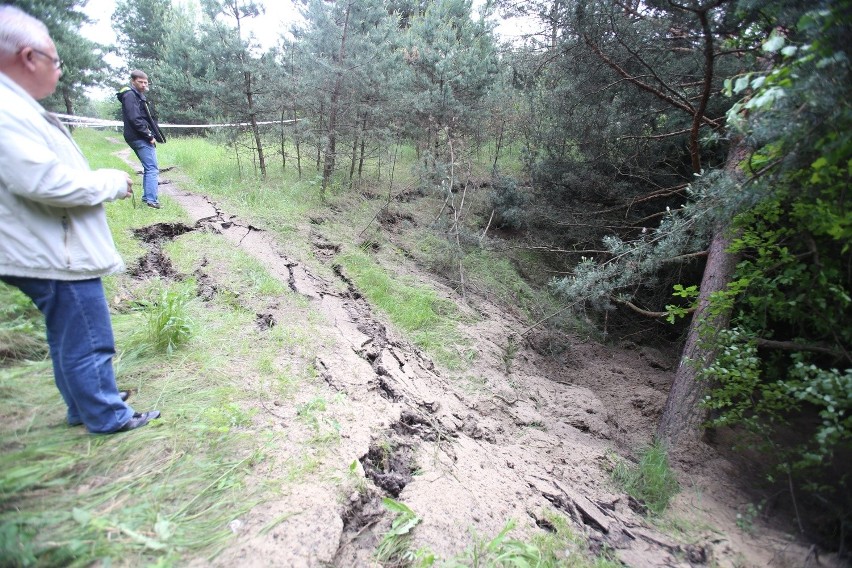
(123, 395)
(154, 204)
(138, 420)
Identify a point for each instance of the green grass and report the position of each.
(164, 494)
(100, 150)
(429, 320)
(651, 481)
(560, 547)
(245, 280)
(69, 498)
(21, 327)
(394, 548)
(167, 322)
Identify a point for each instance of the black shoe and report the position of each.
(138, 420)
(124, 395)
(154, 204)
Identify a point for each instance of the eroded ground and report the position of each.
(466, 455)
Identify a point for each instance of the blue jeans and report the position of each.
(147, 154)
(79, 333)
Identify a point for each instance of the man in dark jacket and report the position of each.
(142, 133)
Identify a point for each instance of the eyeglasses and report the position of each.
(56, 61)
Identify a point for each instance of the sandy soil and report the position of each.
(492, 447)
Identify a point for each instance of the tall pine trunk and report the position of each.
(334, 103)
(680, 424)
(253, 120)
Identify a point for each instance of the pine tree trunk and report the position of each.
(253, 119)
(680, 424)
(334, 103)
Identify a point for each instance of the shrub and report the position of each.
(509, 203)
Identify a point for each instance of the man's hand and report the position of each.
(153, 141)
(129, 182)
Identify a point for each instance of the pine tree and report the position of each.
(142, 27)
(452, 64)
(83, 63)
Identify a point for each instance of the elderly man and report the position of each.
(55, 244)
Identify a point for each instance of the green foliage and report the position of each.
(394, 548)
(745, 519)
(503, 551)
(689, 293)
(736, 372)
(22, 334)
(782, 372)
(558, 547)
(226, 417)
(141, 27)
(651, 481)
(509, 203)
(451, 61)
(83, 59)
(325, 429)
(631, 266)
(167, 321)
(828, 391)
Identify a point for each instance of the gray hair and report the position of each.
(18, 30)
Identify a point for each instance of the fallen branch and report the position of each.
(485, 232)
(647, 313)
(792, 346)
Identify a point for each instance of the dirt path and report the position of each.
(486, 449)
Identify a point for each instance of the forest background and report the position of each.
(684, 172)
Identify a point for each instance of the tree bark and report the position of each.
(682, 416)
(680, 423)
(334, 103)
(69, 105)
(253, 119)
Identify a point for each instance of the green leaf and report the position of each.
(147, 542)
(405, 527)
(774, 43)
(164, 528)
(820, 163)
(397, 507)
(82, 516)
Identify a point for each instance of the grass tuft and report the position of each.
(651, 481)
(395, 546)
(559, 547)
(168, 324)
(21, 327)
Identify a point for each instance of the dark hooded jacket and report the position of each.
(139, 124)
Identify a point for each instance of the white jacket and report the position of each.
(52, 220)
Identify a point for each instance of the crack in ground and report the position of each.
(154, 263)
(389, 463)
